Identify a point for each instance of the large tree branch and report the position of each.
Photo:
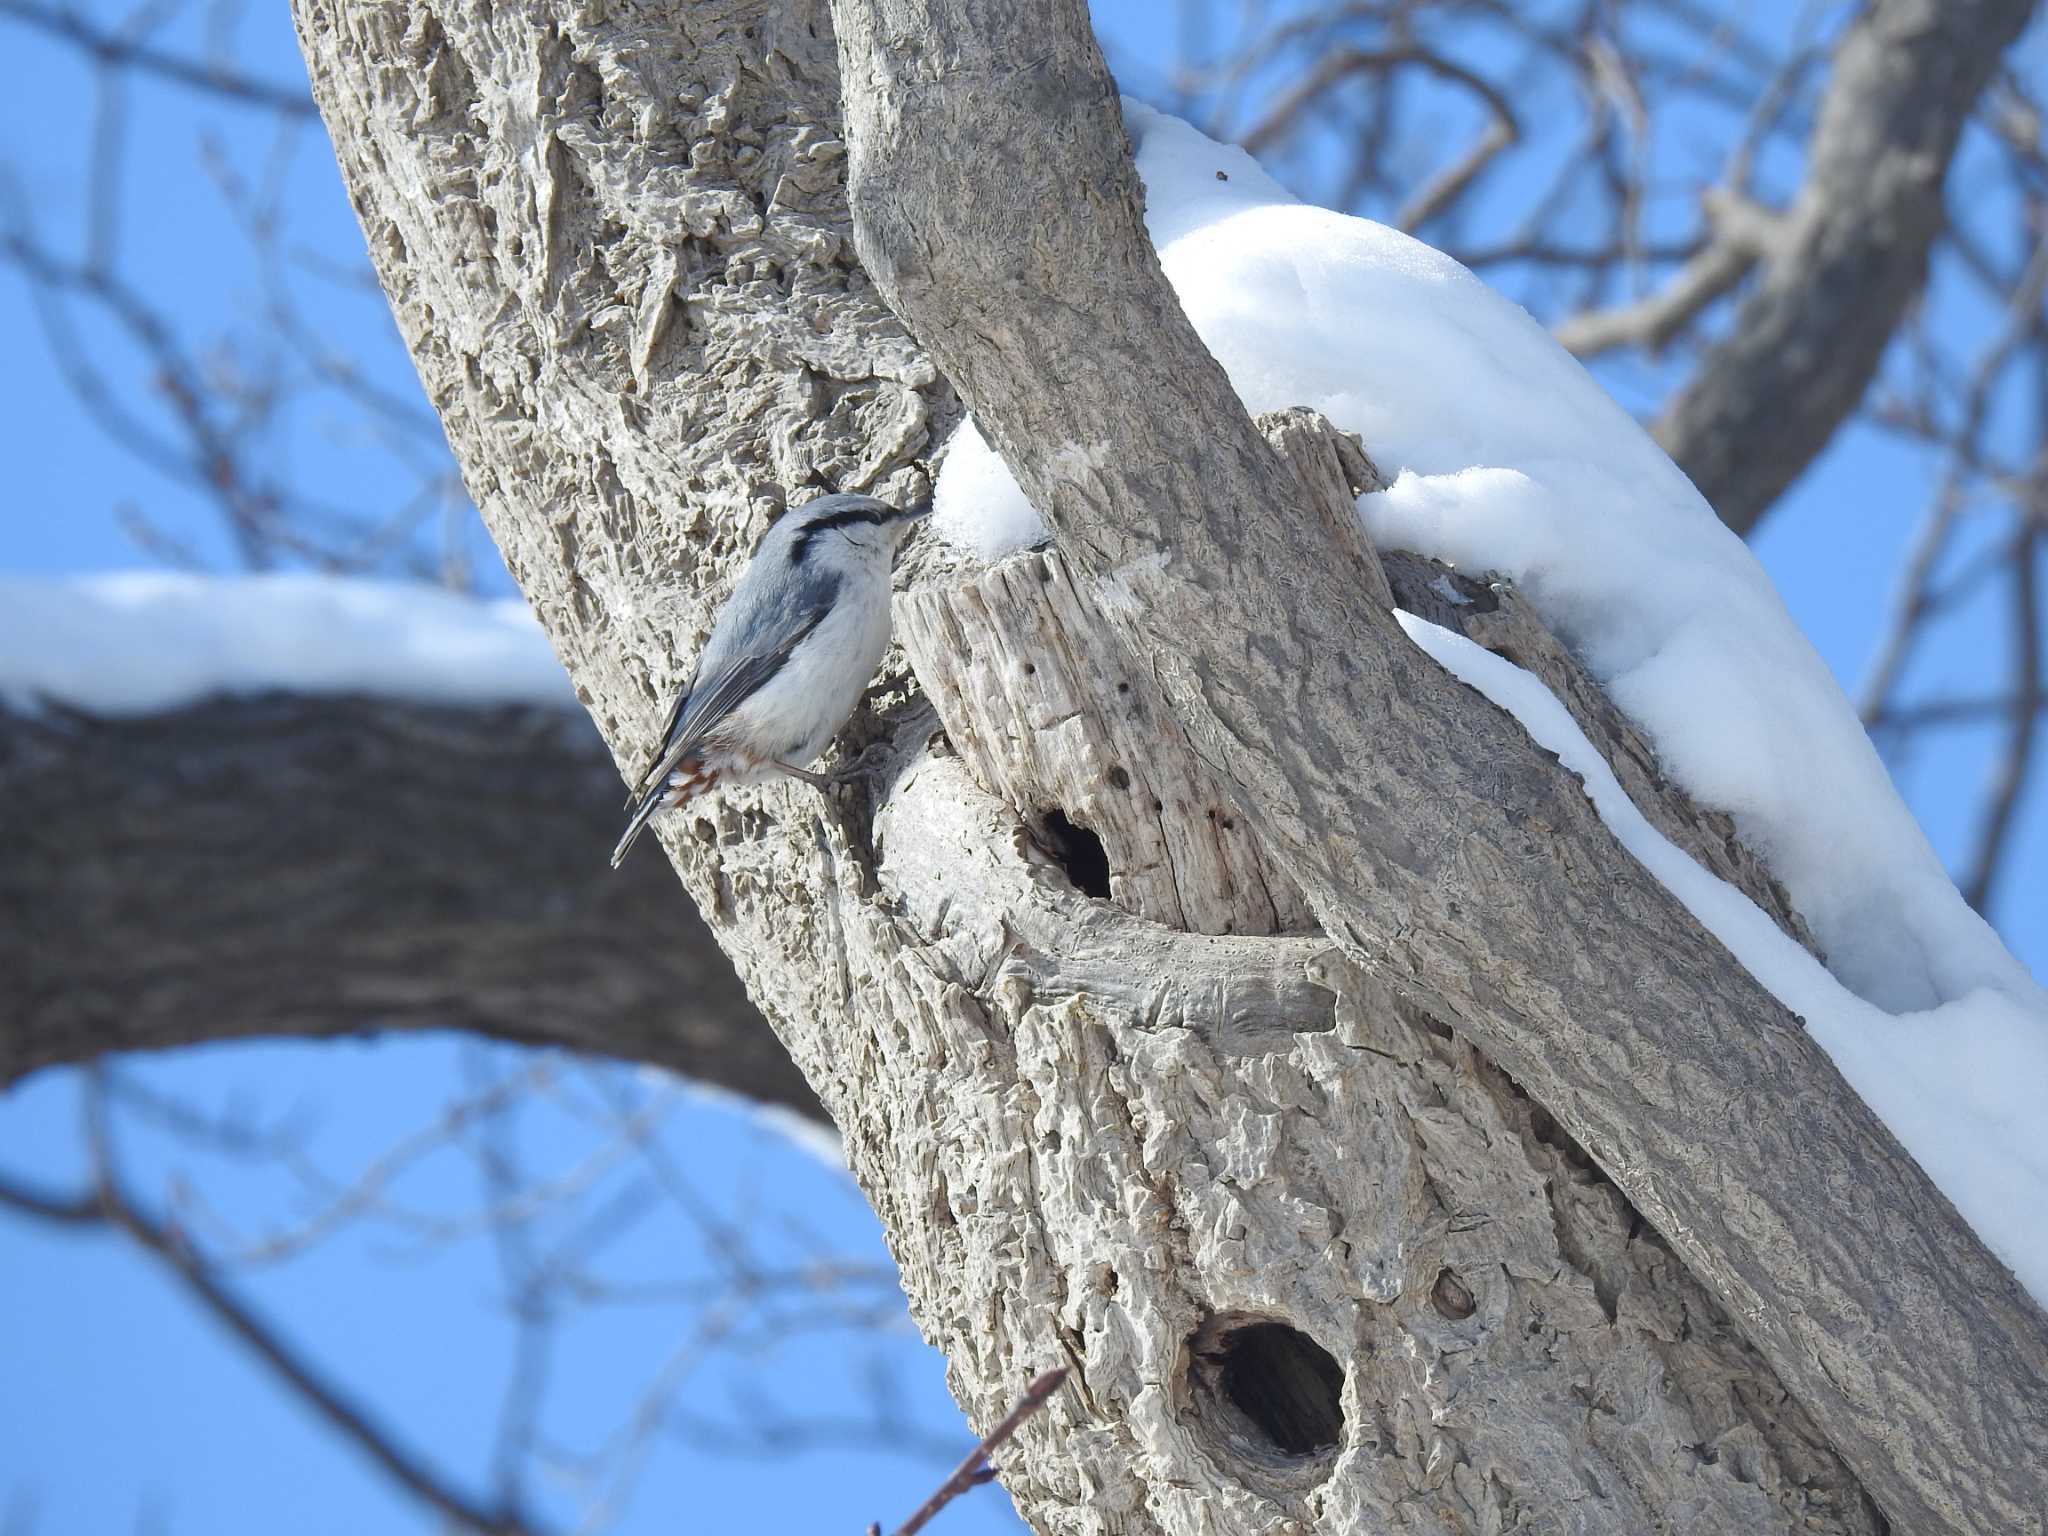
(1806, 342)
(325, 866)
(1722, 1120)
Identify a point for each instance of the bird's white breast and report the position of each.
(794, 717)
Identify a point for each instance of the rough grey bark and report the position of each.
(1438, 846)
(323, 866)
(619, 249)
(1838, 271)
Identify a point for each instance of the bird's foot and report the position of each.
(847, 773)
(824, 783)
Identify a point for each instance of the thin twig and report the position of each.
(108, 1204)
(974, 1471)
(2023, 731)
(112, 50)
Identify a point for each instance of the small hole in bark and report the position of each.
(1030, 669)
(1272, 1381)
(1126, 688)
(1450, 1297)
(1078, 851)
(1119, 779)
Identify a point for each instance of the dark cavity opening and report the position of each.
(1452, 1298)
(1286, 1384)
(1078, 851)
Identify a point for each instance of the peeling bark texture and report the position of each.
(1318, 1262)
(1849, 257)
(317, 867)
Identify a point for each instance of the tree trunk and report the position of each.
(1316, 1259)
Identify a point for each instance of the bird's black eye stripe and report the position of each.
(844, 518)
(848, 515)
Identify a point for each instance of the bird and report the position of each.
(789, 656)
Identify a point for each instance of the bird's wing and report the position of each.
(668, 735)
(723, 684)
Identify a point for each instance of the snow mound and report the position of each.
(1506, 456)
(136, 642)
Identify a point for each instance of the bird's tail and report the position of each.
(651, 802)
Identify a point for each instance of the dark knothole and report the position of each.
(1287, 1385)
(1452, 1298)
(1284, 1386)
(1078, 851)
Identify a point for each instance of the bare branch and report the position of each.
(1807, 341)
(1965, 709)
(1448, 185)
(1743, 234)
(974, 1470)
(1918, 600)
(113, 50)
(108, 1204)
(2023, 722)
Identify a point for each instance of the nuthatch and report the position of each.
(788, 658)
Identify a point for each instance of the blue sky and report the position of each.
(130, 1408)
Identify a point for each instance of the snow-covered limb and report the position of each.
(141, 642)
(1504, 456)
(1959, 1085)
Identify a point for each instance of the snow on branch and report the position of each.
(140, 642)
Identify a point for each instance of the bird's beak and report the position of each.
(907, 521)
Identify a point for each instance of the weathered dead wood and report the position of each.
(1057, 730)
(1036, 693)
(1434, 842)
(1224, 1128)
(1335, 469)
